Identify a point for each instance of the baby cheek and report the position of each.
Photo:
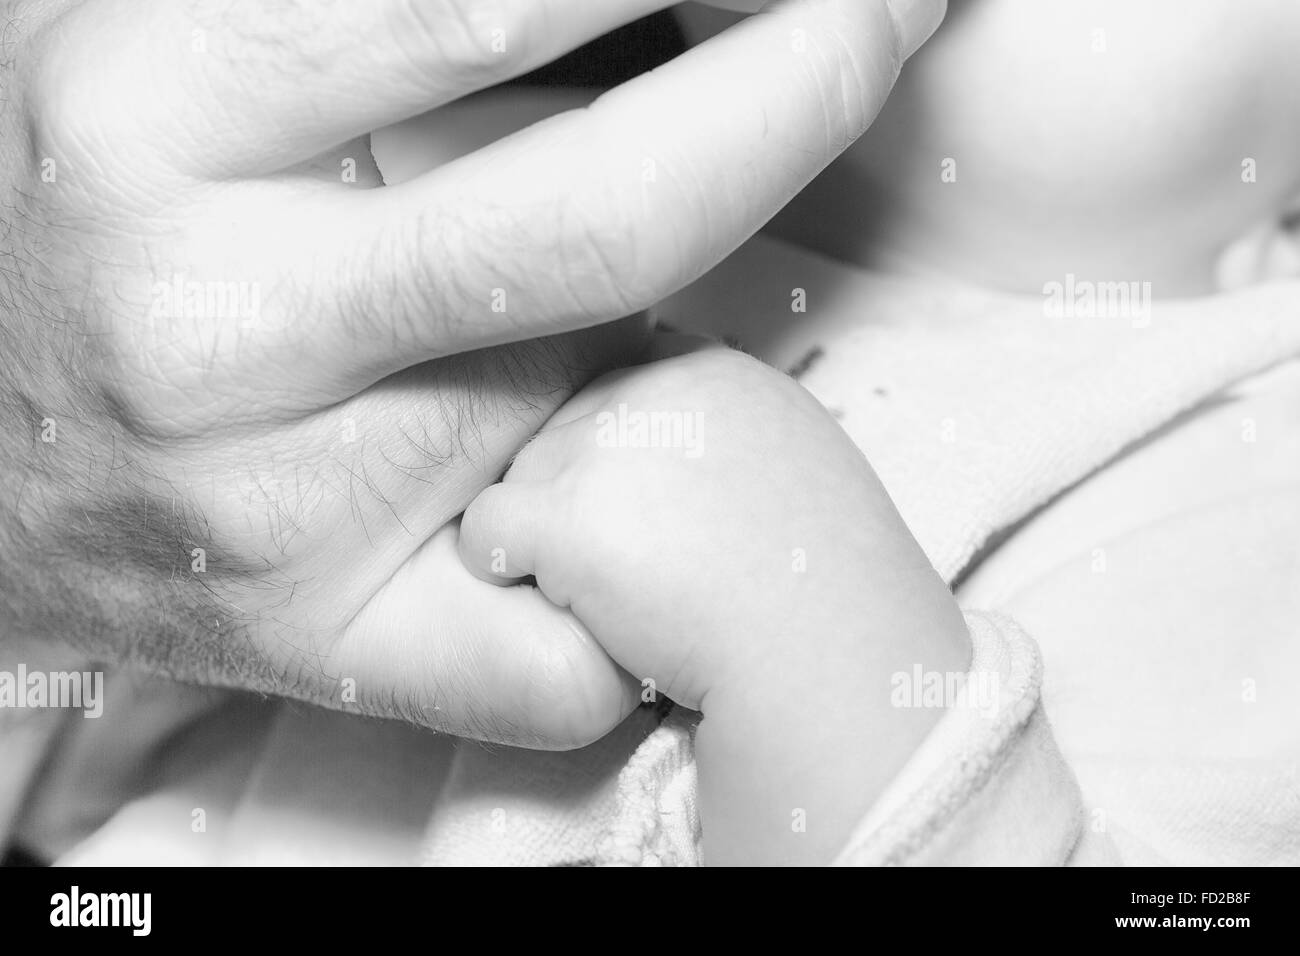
(1196, 110)
(1232, 143)
(1158, 131)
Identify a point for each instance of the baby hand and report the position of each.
(729, 546)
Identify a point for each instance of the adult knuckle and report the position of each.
(60, 102)
(477, 41)
(138, 380)
(435, 296)
(603, 261)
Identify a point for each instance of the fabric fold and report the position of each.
(988, 785)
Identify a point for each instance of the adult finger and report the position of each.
(246, 87)
(600, 212)
(440, 647)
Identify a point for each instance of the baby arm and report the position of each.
(720, 536)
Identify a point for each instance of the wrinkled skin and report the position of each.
(245, 392)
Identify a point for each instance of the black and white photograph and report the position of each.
(593, 433)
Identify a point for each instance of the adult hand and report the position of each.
(238, 391)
